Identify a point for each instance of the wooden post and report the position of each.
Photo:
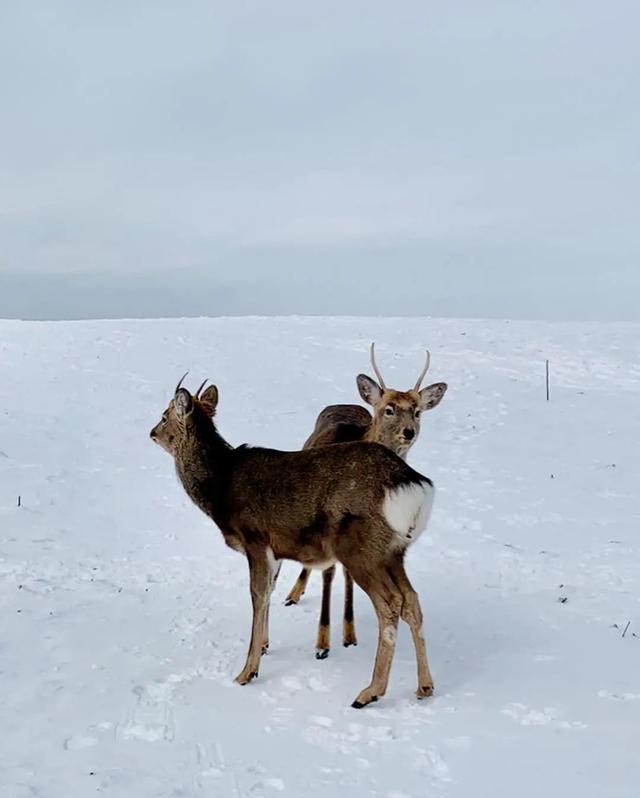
(547, 375)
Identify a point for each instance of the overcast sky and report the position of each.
(203, 158)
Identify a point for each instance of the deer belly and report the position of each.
(317, 560)
(321, 565)
(318, 555)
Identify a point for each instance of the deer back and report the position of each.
(339, 424)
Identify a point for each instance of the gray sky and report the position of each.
(439, 158)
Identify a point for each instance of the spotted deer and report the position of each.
(355, 503)
(396, 425)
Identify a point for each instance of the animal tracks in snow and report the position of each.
(150, 722)
(106, 562)
(526, 716)
(619, 696)
(151, 719)
(78, 742)
(431, 764)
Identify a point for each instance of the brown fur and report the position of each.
(397, 431)
(316, 506)
(395, 422)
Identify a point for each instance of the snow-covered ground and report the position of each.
(124, 617)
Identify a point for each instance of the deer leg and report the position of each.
(297, 591)
(275, 572)
(412, 615)
(348, 625)
(260, 582)
(387, 602)
(323, 640)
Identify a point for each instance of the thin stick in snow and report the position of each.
(547, 375)
(626, 627)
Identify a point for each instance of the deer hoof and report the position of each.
(425, 691)
(357, 704)
(244, 678)
(349, 634)
(322, 653)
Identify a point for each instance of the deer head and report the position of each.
(396, 414)
(179, 415)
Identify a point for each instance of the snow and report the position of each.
(124, 617)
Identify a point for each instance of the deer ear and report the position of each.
(183, 403)
(369, 389)
(209, 401)
(431, 395)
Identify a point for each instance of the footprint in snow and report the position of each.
(273, 784)
(322, 734)
(431, 764)
(322, 721)
(527, 716)
(209, 764)
(152, 718)
(78, 742)
(292, 683)
(282, 716)
(380, 734)
(619, 696)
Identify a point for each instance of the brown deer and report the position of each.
(355, 503)
(396, 425)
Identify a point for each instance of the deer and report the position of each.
(355, 503)
(395, 424)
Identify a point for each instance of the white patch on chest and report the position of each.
(407, 509)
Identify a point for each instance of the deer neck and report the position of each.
(374, 435)
(203, 465)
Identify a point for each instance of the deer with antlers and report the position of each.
(355, 503)
(396, 425)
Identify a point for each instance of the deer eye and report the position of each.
(417, 414)
(389, 410)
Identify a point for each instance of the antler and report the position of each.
(375, 367)
(424, 371)
(179, 385)
(197, 393)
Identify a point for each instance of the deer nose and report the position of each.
(152, 434)
(409, 434)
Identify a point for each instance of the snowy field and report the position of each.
(124, 617)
